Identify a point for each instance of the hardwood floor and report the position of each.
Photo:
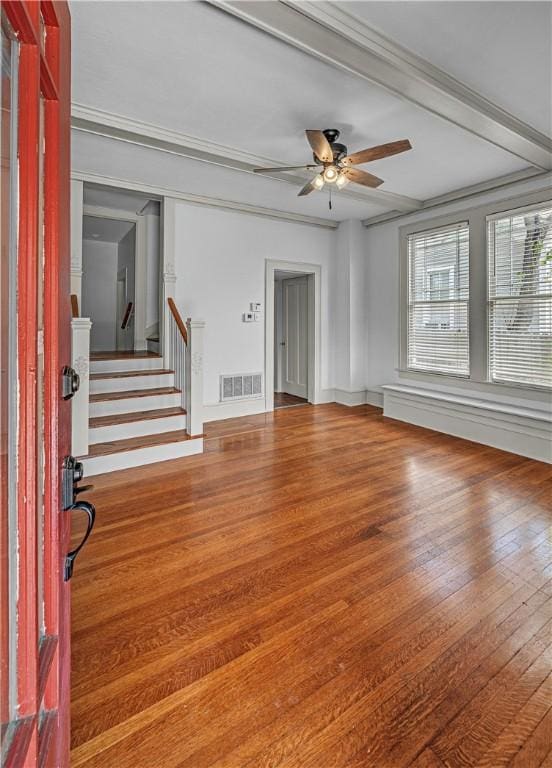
(284, 400)
(323, 588)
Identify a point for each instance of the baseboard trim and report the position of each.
(233, 409)
(358, 397)
(525, 431)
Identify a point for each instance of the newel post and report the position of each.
(194, 376)
(80, 362)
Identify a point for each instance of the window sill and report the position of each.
(483, 386)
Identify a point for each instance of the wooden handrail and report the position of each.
(126, 317)
(178, 320)
(74, 305)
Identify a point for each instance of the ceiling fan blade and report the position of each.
(307, 189)
(361, 177)
(377, 153)
(320, 146)
(286, 168)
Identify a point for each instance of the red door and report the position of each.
(34, 417)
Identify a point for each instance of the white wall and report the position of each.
(220, 264)
(99, 292)
(350, 256)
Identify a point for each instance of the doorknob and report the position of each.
(282, 343)
(90, 510)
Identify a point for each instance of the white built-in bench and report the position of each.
(511, 427)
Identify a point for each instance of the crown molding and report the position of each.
(97, 121)
(327, 32)
(471, 192)
(213, 202)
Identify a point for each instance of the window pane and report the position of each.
(438, 292)
(520, 298)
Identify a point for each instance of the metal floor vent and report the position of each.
(241, 385)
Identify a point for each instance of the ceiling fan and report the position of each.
(336, 165)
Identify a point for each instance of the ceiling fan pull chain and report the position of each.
(330, 200)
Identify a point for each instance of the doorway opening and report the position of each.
(121, 243)
(293, 338)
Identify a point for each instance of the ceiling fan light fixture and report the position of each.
(330, 174)
(318, 181)
(341, 181)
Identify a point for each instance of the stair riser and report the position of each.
(116, 461)
(128, 383)
(133, 364)
(133, 404)
(136, 429)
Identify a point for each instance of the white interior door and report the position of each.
(295, 351)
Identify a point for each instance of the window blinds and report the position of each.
(520, 297)
(438, 298)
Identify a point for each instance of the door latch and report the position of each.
(71, 474)
(70, 382)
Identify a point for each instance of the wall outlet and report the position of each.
(248, 317)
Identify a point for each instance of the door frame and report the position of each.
(314, 277)
(140, 257)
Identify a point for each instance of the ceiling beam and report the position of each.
(325, 31)
(96, 121)
(188, 197)
(473, 191)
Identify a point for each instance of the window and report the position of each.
(438, 297)
(519, 249)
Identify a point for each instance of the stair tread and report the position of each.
(126, 418)
(121, 355)
(102, 396)
(130, 374)
(134, 443)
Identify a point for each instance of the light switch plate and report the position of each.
(255, 306)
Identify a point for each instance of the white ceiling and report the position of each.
(194, 69)
(105, 230)
(502, 50)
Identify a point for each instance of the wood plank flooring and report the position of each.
(285, 400)
(323, 588)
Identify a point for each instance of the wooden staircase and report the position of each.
(136, 413)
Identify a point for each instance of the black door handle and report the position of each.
(90, 510)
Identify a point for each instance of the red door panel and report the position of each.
(38, 708)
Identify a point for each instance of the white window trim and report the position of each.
(476, 218)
